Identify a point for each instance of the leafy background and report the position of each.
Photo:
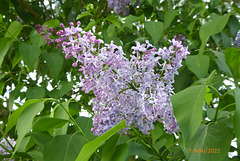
(41, 103)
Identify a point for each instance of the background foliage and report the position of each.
(43, 112)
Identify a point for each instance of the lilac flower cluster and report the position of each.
(181, 37)
(5, 144)
(237, 41)
(120, 6)
(137, 90)
(46, 33)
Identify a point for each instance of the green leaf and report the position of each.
(156, 133)
(54, 62)
(90, 25)
(36, 39)
(187, 108)
(109, 148)
(92, 146)
(200, 8)
(64, 147)
(208, 97)
(236, 117)
(60, 113)
(41, 138)
(225, 40)
(17, 58)
(25, 120)
(232, 56)
(13, 96)
(87, 13)
(2, 75)
(37, 155)
(139, 150)
(198, 64)
(210, 78)
(121, 153)
(35, 93)
(114, 20)
(191, 26)
(24, 143)
(169, 17)
(213, 138)
(183, 79)
(155, 29)
(30, 55)
(14, 29)
(63, 88)
(1, 87)
(1, 18)
(86, 125)
(211, 113)
(234, 25)
(221, 62)
(129, 21)
(52, 23)
(5, 44)
(14, 117)
(48, 124)
(111, 30)
(212, 27)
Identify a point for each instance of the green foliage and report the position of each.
(42, 105)
(155, 29)
(215, 26)
(5, 44)
(207, 138)
(63, 147)
(198, 64)
(90, 147)
(25, 120)
(232, 56)
(187, 108)
(30, 55)
(237, 114)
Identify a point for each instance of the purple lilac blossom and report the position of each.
(237, 41)
(6, 145)
(180, 37)
(136, 89)
(120, 6)
(46, 33)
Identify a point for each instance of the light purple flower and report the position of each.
(136, 89)
(6, 145)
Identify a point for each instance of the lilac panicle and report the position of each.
(46, 33)
(237, 41)
(6, 145)
(136, 89)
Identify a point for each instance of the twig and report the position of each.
(105, 7)
(45, 8)
(25, 5)
(50, 3)
(82, 2)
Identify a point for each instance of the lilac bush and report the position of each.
(136, 89)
